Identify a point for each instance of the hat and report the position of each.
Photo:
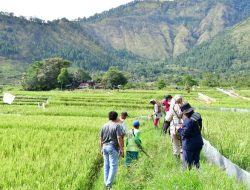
(125, 114)
(168, 97)
(152, 101)
(136, 123)
(177, 98)
(186, 108)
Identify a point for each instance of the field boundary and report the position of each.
(214, 156)
(225, 109)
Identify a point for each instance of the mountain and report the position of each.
(131, 35)
(30, 40)
(228, 52)
(165, 29)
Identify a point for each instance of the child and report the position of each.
(157, 112)
(133, 143)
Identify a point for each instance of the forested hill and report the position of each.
(228, 52)
(135, 32)
(29, 40)
(165, 29)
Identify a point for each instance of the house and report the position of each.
(87, 84)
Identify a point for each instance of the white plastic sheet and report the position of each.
(8, 98)
(213, 155)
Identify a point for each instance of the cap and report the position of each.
(186, 108)
(136, 123)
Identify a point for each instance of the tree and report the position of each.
(210, 80)
(113, 77)
(63, 77)
(42, 75)
(77, 76)
(161, 83)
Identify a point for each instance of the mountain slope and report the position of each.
(26, 41)
(228, 52)
(138, 32)
(165, 29)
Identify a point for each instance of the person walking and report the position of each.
(133, 143)
(157, 112)
(111, 144)
(175, 117)
(122, 118)
(166, 104)
(190, 133)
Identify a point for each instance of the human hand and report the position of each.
(179, 127)
(121, 153)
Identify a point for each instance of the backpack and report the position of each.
(197, 118)
(159, 107)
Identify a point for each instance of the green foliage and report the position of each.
(188, 81)
(60, 142)
(113, 77)
(63, 77)
(161, 83)
(210, 80)
(76, 76)
(43, 75)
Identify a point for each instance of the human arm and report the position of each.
(137, 140)
(100, 144)
(120, 139)
(169, 116)
(121, 145)
(186, 130)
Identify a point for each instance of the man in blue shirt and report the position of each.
(190, 132)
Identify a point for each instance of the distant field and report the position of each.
(57, 147)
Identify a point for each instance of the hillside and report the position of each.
(228, 52)
(29, 40)
(165, 29)
(140, 33)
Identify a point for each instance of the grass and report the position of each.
(57, 147)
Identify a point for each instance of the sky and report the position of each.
(55, 9)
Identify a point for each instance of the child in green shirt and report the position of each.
(133, 143)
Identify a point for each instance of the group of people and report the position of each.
(183, 124)
(112, 144)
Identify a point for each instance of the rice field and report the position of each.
(57, 147)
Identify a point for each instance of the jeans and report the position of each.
(110, 156)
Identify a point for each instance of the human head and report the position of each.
(187, 110)
(136, 124)
(124, 115)
(113, 115)
(168, 97)
(178, 99)
(152, 101)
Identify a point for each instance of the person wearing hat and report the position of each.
(174, 116)
(157, 112)
(133, 143)
(166, 103)
(190, 133)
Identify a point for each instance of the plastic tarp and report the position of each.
(213, 155)
(224, 109)
(8, 98)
